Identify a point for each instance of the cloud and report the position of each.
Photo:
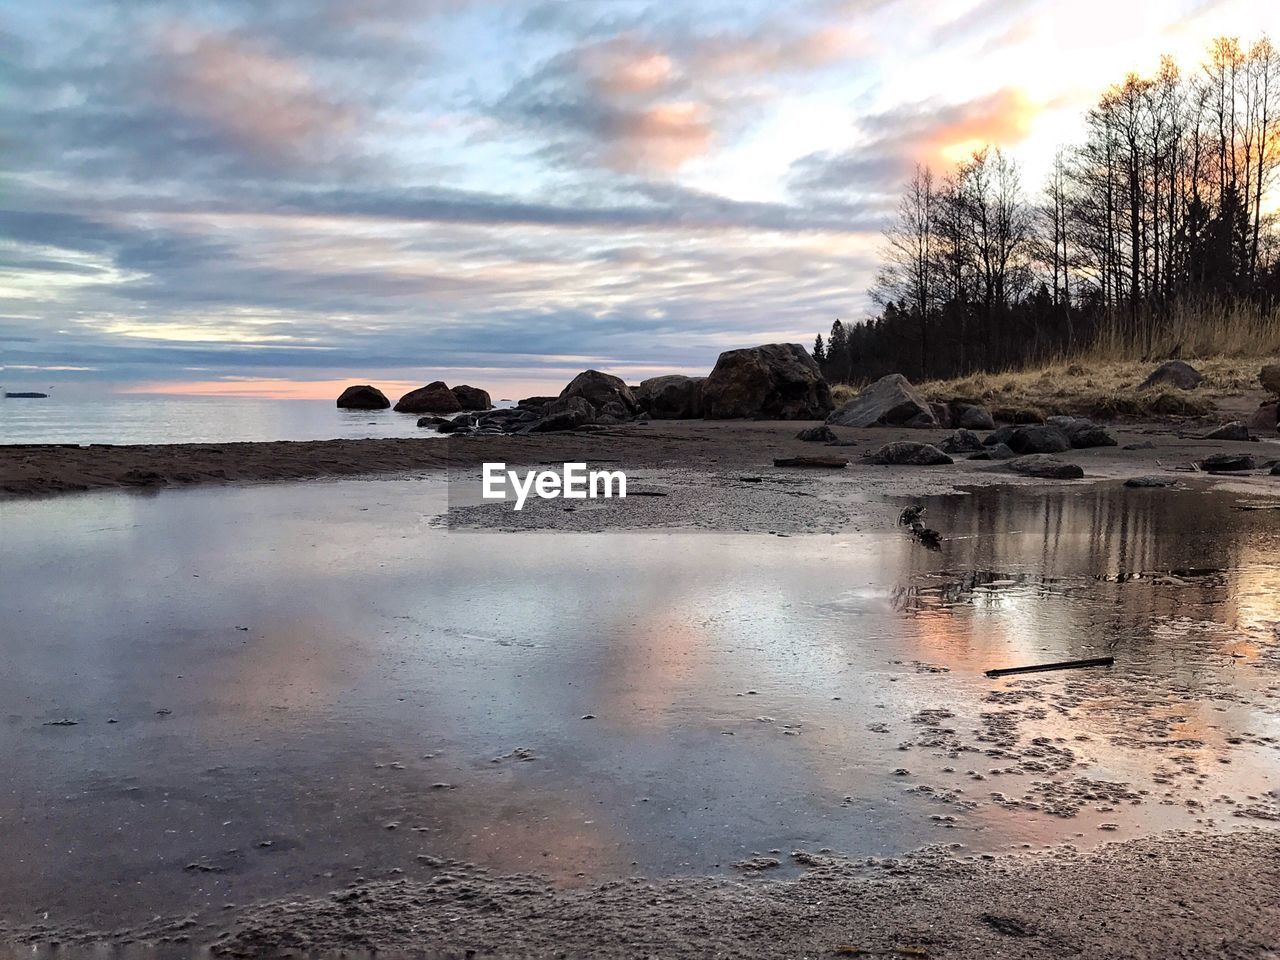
(931, 133)
(261, 102)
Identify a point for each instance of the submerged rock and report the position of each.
(891, 400)
(776, 381)
(1045, 467)
(435, 397)
(909, 453)
(1174, 373)
(362, 396)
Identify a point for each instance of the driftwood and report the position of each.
(831, 463)
(1060, 665)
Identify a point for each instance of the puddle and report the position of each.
(285, 688)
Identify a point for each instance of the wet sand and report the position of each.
(716, 446)
(280, 691)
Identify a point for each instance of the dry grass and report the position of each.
(1106, 389)
(1193, 330)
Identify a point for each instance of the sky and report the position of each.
(242, 197)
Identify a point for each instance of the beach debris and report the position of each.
(827, 463)
(1059, 665)
(64, 722)
(910, 515)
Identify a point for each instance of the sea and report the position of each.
(152, 419)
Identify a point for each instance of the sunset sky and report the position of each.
(276, 198)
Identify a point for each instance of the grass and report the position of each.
(1092, 388)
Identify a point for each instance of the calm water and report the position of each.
(311, 683)
(129, 420)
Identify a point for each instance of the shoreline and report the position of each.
(1164, 896)
(714, 446)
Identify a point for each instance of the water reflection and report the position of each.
(282, 688)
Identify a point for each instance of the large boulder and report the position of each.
(1038, 438)
(909, 453)
(363, 397)
(600, 388)
(1045, 467)
(776, 381)
(1266, 419)
(672, 397)
(1228, 463)
(1269, 377)
(972, 416)
(472, 398)
(435, 397)
(1173, 373)
(890, 401)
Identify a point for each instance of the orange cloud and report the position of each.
(264, 103)
(1000, 120)
(665, 136)
(757, 56)
(623, 66)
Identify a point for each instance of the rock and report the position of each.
(998, 451)
(1236, 430)
(1045, 467)
(1266, 419)
(909, 453)
(1150, 482)
(363, 397)
(1001, 435)
(530, 402)
(962, 441)
(566, 413)
(776, 381)
(833, 463)
(1082, 433)
(1228, 463)
(599, 389)
(1140, 445)
(891, 400)
(472, 398)
(942, 415)
(1275, 471)
(672, 397)
(1269, 377)
(822, 434)
(435, 397)
(1041, 438)
(1174, 373)
(451, 426)
(972, 417)
(433, 421)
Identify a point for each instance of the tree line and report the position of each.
(1150, 237)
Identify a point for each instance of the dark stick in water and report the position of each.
(1060, 665)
